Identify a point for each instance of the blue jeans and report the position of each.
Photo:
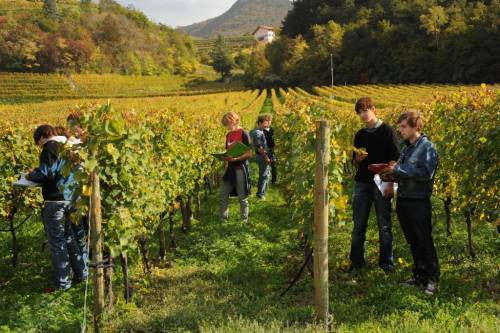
(264, 171)
(364, 196)
(67, 252)
(82, 249)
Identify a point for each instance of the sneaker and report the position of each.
(431, 288)
(413, 282)
(261, 198)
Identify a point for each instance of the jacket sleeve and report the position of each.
(421, 167)
(43, 173)
(246, 138)
(37, 176)
(356, 144)
(259, 139)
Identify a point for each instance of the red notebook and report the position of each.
(378, 168)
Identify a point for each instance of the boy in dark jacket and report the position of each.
(380, 145)
(65, 252)
(269, 133)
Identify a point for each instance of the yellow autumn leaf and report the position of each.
(86, 190)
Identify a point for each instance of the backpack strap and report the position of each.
(245, 138)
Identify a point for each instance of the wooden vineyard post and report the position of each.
(97, 247)
(321, 210)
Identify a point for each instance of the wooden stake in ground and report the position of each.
(97, 247)
(321, 210)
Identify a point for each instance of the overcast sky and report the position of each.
(180, 12)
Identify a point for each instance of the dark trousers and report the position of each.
(366, 194)
(415, 217)
(274, 173)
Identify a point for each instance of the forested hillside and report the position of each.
(61, 36)
(389, 41)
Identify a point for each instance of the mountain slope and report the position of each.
(242, 18)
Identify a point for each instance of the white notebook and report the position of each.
(22, 181)
(383, 185)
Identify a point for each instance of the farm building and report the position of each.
(264, 34)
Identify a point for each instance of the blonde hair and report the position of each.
(231, 118)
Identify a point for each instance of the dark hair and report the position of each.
(62, 131)
(43, 131)
(364, 103)
(413, 117)
(263, 117)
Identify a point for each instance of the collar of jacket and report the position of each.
(408, 144)
(374, 128)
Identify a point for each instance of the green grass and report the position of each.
(24, 306)
(267, 107)
(228, 277)
(221, 271)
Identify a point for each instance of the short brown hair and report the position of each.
(263, 117)
(413, 117)
(43, 131)
(364, 103)
(62, 131)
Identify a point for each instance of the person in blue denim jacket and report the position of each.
(262, 154)
(414, 173)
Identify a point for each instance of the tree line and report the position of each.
(389, 41)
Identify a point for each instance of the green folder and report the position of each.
(236, 150)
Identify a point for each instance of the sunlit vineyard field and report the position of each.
(234, 43)
(22, 88)
(461, 120)
(189, 272)
(57, 111)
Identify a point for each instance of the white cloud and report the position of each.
(180, 12)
